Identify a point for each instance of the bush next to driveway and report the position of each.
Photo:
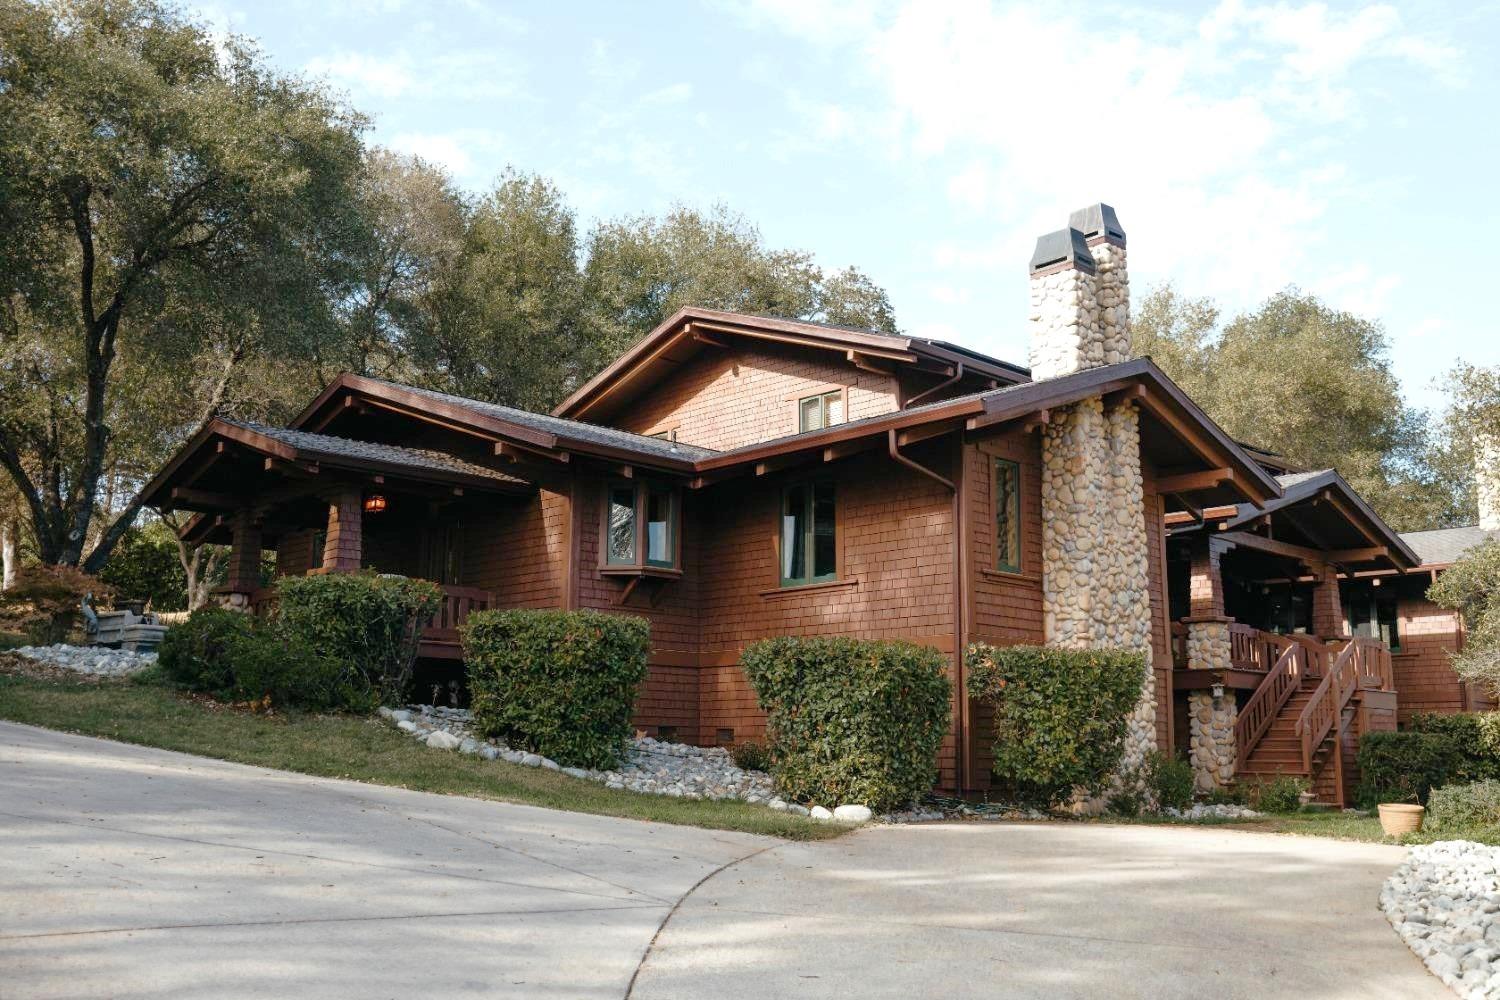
(849, 720)
(560, 683)
(1061, 715)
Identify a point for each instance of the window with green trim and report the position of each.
(809, 543)
(1007, 516)
(817, 412)
(640, 525)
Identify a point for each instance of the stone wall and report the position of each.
(1211, 747)
(1065, 329)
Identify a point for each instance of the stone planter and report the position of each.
(1397, 818)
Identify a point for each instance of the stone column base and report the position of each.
(1213, 751)
(233, 600)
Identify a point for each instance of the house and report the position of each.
(734, 477)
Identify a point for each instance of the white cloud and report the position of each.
(365, 74)
(460, 152)
(455, 75)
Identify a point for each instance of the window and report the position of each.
(640, 525)
(1007, 516)
(809, 552)
(1372, 614)
(817, 412)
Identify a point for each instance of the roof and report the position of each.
(311, 445)
(690, 329)
(1445, 546)
(562, 427)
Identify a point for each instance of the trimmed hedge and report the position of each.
(1405, 766)
(370, 623)
(232, 656)
(1061, 715)
(560, 683)
(851, 721)
(1474, 738)
(1456, 808)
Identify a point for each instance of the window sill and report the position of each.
(1005, 576)
(661, 571)
(809, 588)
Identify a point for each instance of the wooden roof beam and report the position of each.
(187, 498)
(1192, 482)
(515, 452)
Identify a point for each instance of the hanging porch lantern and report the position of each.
(375, 503)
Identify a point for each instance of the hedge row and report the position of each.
(1437, 750)
(851, 721)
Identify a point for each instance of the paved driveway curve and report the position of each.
(129, 872)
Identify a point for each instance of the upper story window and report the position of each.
(809, 542)
(640, 525)
(1373, 613)
(1007, 516)
(823, 410)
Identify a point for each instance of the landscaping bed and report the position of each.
(1444, 902)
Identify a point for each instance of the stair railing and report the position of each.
(1328, 700)
(1257, 714)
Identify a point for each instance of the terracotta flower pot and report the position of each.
(1397, 818)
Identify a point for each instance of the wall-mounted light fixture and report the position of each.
(374, 503)
(1218, 692)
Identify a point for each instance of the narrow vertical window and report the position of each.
(809, 542)
(621, 525)
(659, 540)
(1007, 516)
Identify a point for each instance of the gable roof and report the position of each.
(1445, 546)
(686, 331)
(323, 447)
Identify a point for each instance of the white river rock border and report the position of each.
(1444, 902)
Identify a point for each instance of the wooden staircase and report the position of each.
(1297, 720)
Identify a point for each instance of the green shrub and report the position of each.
(851, 721)
(560, 683)
(1460, 807)
(267, 664)
(144, 566)
(1234, 795)
(195, 654)
(1128, 802)
(1281, 794)
(1405, 766)
(1170, 779)
(1061, 715)
(750, 757)
(369, 623)
(1474, 741)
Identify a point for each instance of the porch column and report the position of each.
(1211, 720)
(343, 545)
(1327, 607)
(244, 563)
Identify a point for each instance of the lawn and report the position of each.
(1334, 825)
(360, 749)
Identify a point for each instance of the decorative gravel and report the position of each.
(1202, 810)
(1444, 901)
(99, 661)
(648, 765)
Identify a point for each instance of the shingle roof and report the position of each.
(1291, 479)
(413, 458)
(1445, 545)
(563, 427)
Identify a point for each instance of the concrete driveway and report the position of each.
(127, 872)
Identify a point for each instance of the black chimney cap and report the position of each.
(1097, 220)
(1063, 246)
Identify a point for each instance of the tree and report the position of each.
(1311, 383)
(1471, 586)
(155, 181)
(641, 270)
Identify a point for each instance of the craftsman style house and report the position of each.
(735, 477)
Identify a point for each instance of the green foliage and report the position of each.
(1254, 374)
(1471, 587)
(1281, 794)
(1234, 795)
(236, 657)
(851, 721)
(1406, 766)
(1061, 715)
(751, 757)
(1474, 739)
(1170, 778)
(1462, 806)
(370, 623)
(1128, 802)
(145, 566)
(560, 683)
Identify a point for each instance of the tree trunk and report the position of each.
(10, 555)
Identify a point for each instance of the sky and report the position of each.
(1348, 149)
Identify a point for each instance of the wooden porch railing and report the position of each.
(1252, 649)
(1257, 714)
(458, 604)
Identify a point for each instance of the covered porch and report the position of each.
(324, 504)
(1279, 663)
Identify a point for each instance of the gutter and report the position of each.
(958, 374)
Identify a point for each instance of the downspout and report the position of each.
(960, 602)
(958, 375)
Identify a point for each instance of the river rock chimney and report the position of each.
(1080, 295)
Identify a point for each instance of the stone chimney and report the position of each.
(1487, 481)
(1080, 295)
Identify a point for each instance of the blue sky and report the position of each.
(1350, 149)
